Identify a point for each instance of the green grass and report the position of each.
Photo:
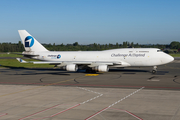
(175, 55)
(10, 55)
(13, 63)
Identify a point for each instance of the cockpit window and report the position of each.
(159, 50)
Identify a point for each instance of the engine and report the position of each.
(71, 67)
(101, 68)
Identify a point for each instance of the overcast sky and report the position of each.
(91, 21)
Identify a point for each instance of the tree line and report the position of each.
(18, 47)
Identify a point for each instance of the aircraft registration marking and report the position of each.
(91, 74)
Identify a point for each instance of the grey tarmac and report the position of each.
(120, 94)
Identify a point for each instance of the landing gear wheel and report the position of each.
(154, 71)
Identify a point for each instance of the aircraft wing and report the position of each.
(38, 62)
(75, 62)
(88, 63)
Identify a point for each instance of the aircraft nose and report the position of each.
(166, 59)
(170, 58)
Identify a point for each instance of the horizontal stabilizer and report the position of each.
(26, 55)
(21, 60)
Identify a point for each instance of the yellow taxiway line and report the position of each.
(91, 74)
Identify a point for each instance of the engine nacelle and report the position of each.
(71, 67)
(101, 68)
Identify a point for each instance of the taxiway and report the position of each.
(127, 94)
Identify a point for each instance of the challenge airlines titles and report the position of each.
(127, 55)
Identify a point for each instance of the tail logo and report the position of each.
(29, 41)
(58, 56)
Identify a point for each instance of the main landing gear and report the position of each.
(154, 70)
(89, 70)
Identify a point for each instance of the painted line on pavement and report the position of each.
(3, 114)
(113, 104)
(58, 112)
(99, 95)
(92, 85)
(38, 87)
(120, 86)
(92, 92)
(128, 113)
(154, 80)
(38, 112)
(91, 74)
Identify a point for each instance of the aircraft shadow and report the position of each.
(63, 72)
(44, 74)
(44, 71)
(52, 69)
(127, 70)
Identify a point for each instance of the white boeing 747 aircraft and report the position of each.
(92, 60)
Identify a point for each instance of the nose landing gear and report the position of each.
(154, 70)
